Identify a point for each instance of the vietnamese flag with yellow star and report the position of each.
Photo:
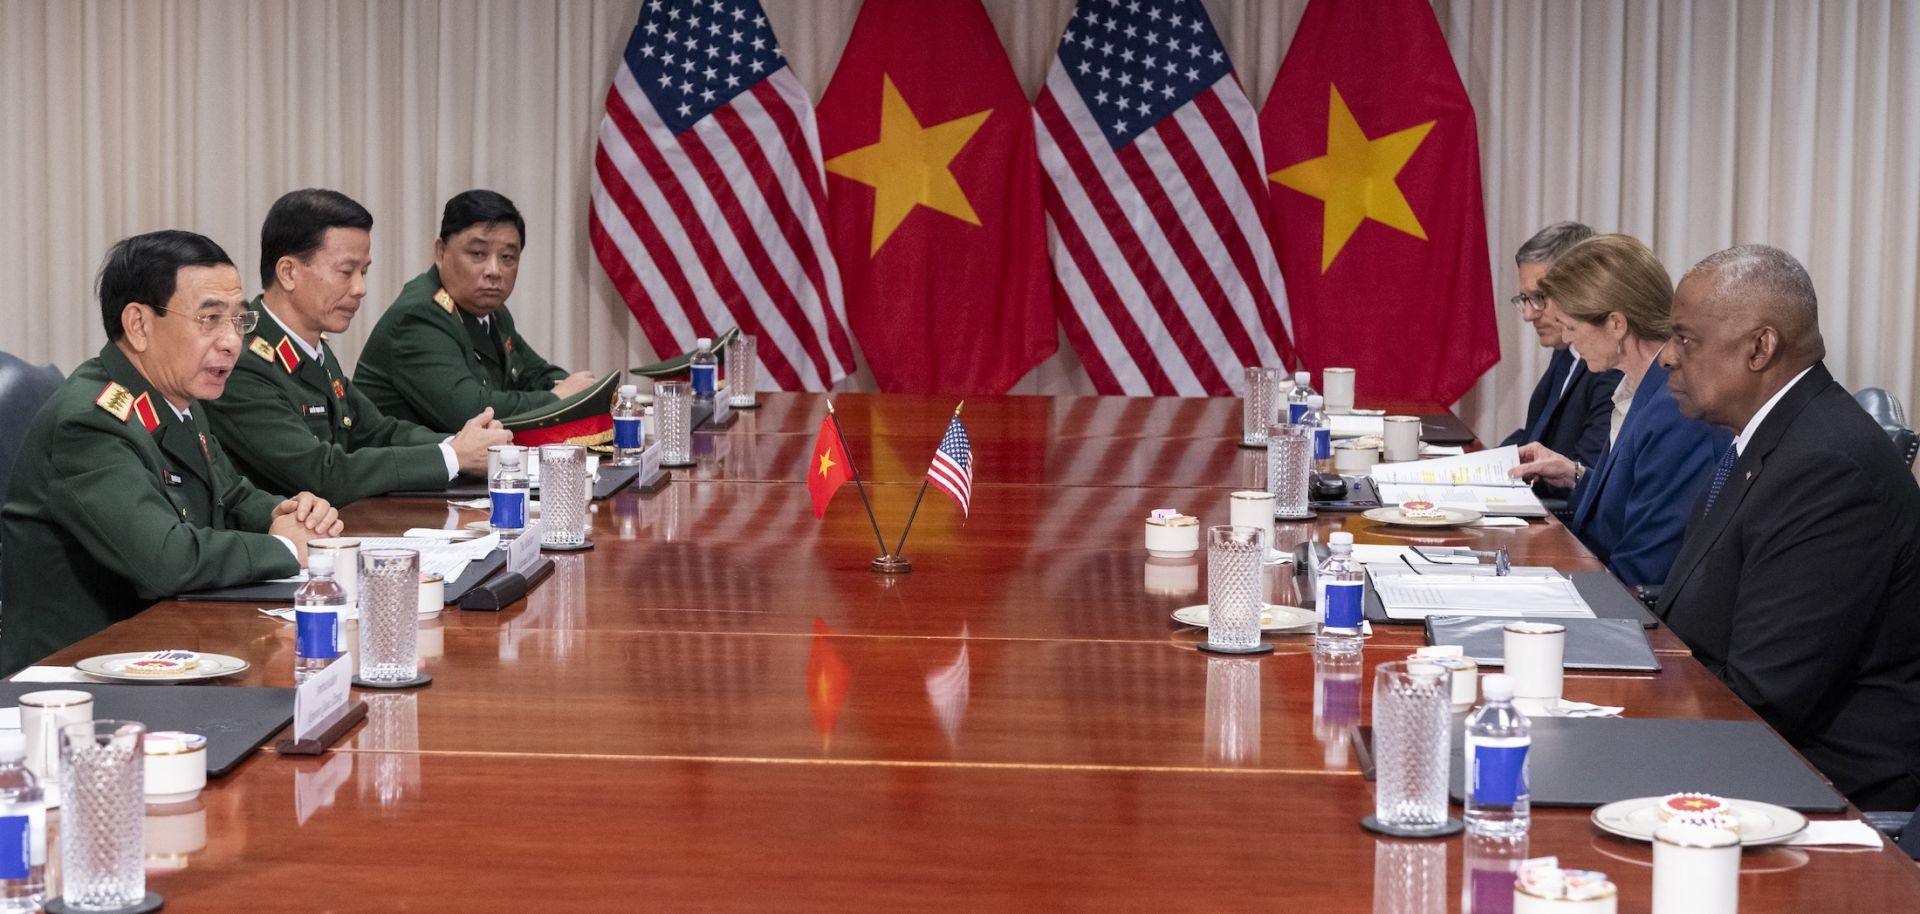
(830, 467)
(1380, 228)
(933, 200)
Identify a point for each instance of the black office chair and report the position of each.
(1902, 827)
(1885, 409)
(24, 389)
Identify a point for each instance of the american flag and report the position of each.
(952, 469)
(1156, 203)
(707, 192)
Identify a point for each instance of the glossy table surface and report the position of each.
(720, 708)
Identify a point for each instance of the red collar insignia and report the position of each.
(288, 355)
(143, 407)
(339, 389)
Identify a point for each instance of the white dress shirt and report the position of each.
(1753, 424)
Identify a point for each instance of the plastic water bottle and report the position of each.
(508, 492)
(318, 628)
(1297, 400)
(628, 436)
(1498, 737)
(704, 368)
(1342, 586)
(1316, 416)
(23, 829)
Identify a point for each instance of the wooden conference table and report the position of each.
(720, 708)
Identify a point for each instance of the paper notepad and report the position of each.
(1530, 592)
(1481, 468)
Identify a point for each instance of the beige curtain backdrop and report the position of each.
(1693, 124)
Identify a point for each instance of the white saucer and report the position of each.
(1274, 617)
(113, 666)
(1760, 823)
(1449, 517)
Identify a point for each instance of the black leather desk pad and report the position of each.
(611, 479)
(1592, 644)
(1444, 428)
(1600, 589)
(273, 592)
(1590, 762)
(234, 719)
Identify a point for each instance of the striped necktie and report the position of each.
(1721, 471)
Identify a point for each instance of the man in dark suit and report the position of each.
(1570, 406)
(1798, 581)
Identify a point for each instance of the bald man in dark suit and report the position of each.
(1798, 581)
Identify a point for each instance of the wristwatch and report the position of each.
(1579, 470)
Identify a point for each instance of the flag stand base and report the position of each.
(890, 564)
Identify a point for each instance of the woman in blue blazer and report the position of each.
(1612, 298)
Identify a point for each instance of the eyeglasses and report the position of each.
(1528, 304)
(244, 322)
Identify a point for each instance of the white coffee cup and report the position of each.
(1336, 384)
(176, 766)
(1253, 508)
(1401, 439)
(1535, 655)
(1354, 458)
(42, 714)
(346, 563)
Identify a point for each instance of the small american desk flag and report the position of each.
(952, 469)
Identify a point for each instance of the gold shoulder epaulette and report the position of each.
(116, 400)
(260, 348)
(445, 301)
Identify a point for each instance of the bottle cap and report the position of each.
(510, 458)
(629, 391)
(320, 562)
(13, 745)
(1497, 687)
(1340, 538)
(1315, 401)
(1302, 378)
(703, 344)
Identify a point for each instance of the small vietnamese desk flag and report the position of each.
(933, 198)
(829, 469)
(1371, 147)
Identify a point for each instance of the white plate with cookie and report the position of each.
(161, 666)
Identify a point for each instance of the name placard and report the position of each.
(522, 553)
(319, 700)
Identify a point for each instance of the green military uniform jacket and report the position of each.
(116, 503)
(293, 423)
(430, 362)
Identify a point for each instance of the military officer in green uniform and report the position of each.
(291, 418)
(121, 495)
(447, 348)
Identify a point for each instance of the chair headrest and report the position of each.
(1882, 406)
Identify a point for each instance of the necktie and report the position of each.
(1721, 471)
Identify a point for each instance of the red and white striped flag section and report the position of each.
(707, 192)
(1157, 202)
(952, 469)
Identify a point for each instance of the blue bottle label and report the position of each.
(316, 634)
(1499, 774)
(626, 432)
(1295, 411)
(509, 508)
(703, 379)
(16, 847)
(1322, 443)
(1343, 604)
